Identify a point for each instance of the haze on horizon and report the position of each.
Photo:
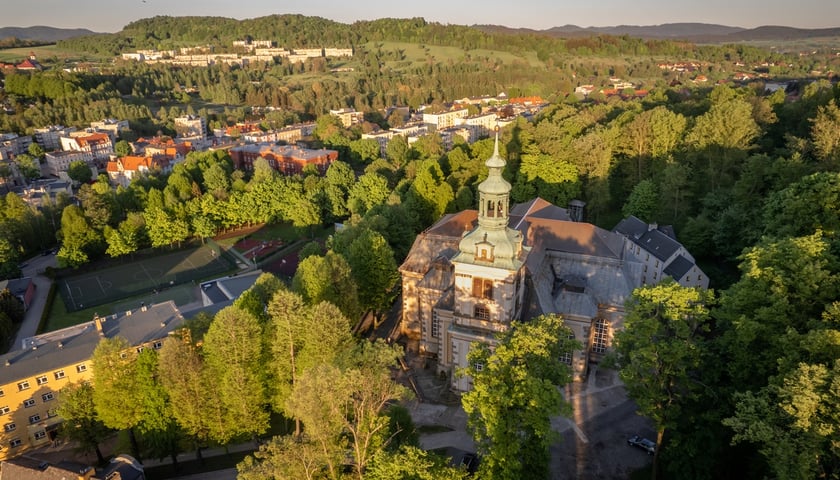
(536, 14)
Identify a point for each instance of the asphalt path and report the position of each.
(604, 454)
(42, 286)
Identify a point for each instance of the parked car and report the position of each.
(647, 445)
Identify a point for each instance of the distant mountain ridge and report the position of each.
(695, 32)
(42, 33)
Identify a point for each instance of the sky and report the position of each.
(111, 16)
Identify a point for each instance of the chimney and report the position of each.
(576, 210)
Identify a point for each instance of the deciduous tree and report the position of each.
(515, 393)
(660, 349)
(81, 423)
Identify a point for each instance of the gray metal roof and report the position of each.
(660, 245)
(658, 240)
(631, 227)
(679, 267)
(74, 345)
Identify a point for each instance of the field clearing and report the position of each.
(43, 53)
(416, 53)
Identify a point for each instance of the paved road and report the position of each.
(42, 287)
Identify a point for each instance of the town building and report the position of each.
(288, 134)
(348, 116)
(99, 145)
(445, 119)
(12, 145)
(21, 288)
(191, 126)
(123, 170)
(111, 126)
(32, 373)
(57, 163)
(45, 192)
(49, 138)
(472, 273)
(286, 159)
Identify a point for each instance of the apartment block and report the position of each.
(33, 373)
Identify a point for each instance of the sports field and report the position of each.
(143, 276)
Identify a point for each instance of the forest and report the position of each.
(750, 180)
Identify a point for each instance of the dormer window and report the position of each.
(484, 250)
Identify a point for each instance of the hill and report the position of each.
(43, 34)
(695, 32)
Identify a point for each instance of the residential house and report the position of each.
(661, 254)
(36, 370)
(46, 191)
(123, 170)
(12, 145)
(29, 64)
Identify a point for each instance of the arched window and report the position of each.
(602, 334)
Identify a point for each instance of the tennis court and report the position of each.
(143, 276)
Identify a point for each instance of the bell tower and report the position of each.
(489, 272)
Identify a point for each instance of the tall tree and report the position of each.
(515, 393)
(232, 348)
(79, 242)
(79, 171)
(412, 463)
(81, 424)
(328, 278)
(114, 374)
(350, 399)
(660, 349)
(190, 388)
(373, 266)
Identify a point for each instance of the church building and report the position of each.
(472, 273)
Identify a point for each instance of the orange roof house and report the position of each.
(122, 170)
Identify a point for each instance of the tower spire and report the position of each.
(492, 240)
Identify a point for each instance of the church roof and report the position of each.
(537, 208)
(572, 237)
(441, 239)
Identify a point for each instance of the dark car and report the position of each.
(647, 445)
